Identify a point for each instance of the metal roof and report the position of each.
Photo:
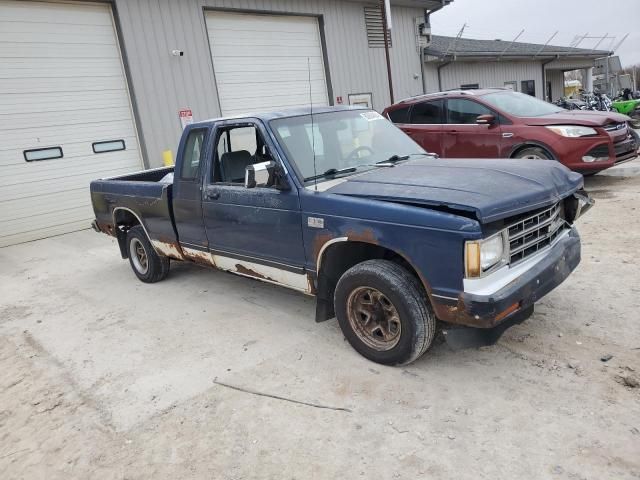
(448, 48)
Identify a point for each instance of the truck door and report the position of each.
(252, 231)
(187, 190)
(463, 137)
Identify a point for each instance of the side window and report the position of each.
(238, 147)
(463, 111)
(427, 113)
(192, 155)
(399, 115)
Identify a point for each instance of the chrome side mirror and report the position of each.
(260, 175)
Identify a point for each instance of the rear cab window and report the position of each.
(193, 149)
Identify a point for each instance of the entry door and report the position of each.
(253, 231)
(463, 137)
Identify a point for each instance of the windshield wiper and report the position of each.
(332, 172)
(399, 158)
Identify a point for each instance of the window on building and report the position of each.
(463, 111)
(470, 86)
(374, 25)
(192, 155)
(426, 113)
(528, 87)
(399, 115)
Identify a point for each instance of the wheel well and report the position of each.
(532, 145)
(339, 258)
(124, 220)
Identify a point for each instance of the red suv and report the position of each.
(500, 123)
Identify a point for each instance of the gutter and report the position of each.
(439, 76)
(544, 77)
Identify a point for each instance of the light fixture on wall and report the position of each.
(177, 53)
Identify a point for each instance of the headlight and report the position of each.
(572, 131)
(484, 255)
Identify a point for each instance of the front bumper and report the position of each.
(488, 311)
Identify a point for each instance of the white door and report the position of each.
(262, 62)
(63, 97)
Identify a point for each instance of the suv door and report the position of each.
(464, 138)
(425, 125)
(252, 231)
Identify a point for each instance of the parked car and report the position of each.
(500, 123)
(344, 206)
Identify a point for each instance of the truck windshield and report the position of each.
(520, 105)
(344, 142)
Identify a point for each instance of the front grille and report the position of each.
(624, 148)
(533, 233)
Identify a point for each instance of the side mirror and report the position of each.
(265, 174)
(485, 119)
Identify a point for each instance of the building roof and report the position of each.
(448, 48)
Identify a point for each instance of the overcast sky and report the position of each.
(490, 19)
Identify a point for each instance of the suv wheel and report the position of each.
(384, 313)
(533, 153)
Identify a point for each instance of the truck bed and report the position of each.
(141, 195)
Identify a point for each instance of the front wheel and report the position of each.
(384, 313)
(533, 153)
(145, 262)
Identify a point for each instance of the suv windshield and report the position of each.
(343, 141)
(520, 105)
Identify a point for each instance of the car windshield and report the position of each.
(520, 105)
(344, 142)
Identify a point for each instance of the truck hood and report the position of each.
(577, 117)
(488, 189)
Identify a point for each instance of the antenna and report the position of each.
(313, 134)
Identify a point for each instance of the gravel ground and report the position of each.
(105, 377)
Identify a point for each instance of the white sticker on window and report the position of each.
(371, 116)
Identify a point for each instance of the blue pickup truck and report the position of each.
(340, 204)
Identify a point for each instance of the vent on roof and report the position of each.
(375, 32)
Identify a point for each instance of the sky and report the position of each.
(540, 19)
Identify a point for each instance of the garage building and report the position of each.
(538, 70)
(96, 89)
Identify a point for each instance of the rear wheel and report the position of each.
(533, 153)
(145, 262)
(384, 313)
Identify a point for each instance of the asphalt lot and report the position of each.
(106, 377)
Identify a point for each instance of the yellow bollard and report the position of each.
(167, 158)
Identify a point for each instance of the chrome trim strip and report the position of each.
(113, 217)
(324, 247)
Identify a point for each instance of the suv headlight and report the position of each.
(482, 256)
(572, 131)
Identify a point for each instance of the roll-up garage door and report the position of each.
(261, 62)
(65, 115)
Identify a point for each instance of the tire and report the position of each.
(403, 323)
(533, 153)
(145, 262)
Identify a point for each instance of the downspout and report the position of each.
(439, 76)
(544, 77)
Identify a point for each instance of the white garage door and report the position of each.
(261, 61)
(63, 97)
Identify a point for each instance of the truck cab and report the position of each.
(340, 204)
